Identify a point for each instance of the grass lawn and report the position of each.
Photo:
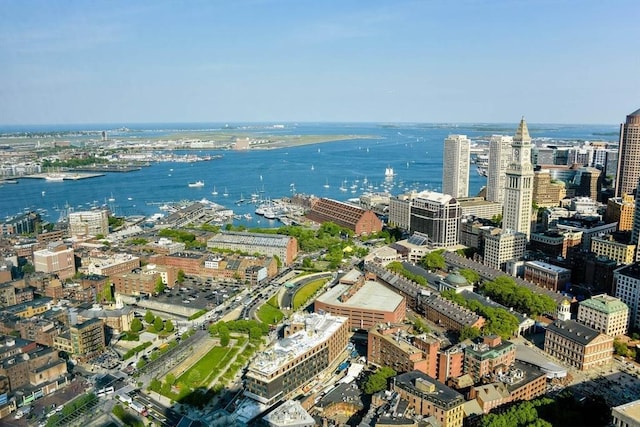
(269, 314)
(304, 293)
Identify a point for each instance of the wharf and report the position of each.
(109, 168)
(65, 176)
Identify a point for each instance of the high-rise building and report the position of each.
(635, 229)
(504, 246)
(437, 215)
(499, 152)
(629, 155)
(519, 184)
(621, 210)
(455, 170)
(627, 284)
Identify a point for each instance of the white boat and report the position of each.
(196, 184)
(214, 192)
(312, 168)
(226, 193)
(247, 216)
(388, 173)
(111, 199)
(326, 185)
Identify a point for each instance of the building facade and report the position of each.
(605, 314)
(519, 184)
(627, 289)
(89, 223)
(547, 275)
(629, 155)
(499, 152)
(502, 247)
(438, 216)
(490, 355)
(284, 247)
(56, 259)
(348, 216)
(455, 176)
(578, 345)
(621, 210)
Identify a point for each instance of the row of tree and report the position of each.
(498, 320)
(159, 325)
(398, 268)
(505, 291)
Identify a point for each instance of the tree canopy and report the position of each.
(505, 291)
(378, 380)
(434, 260)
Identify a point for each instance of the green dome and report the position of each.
(456, 279)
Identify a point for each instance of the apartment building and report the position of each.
(547, 275)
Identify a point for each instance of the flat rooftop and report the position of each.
(371, 296)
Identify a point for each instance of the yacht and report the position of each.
(54, 177)
(196, 184)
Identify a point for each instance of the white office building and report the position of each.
(455, 170)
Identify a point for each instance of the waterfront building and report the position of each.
(629, 155)
(503, 246)
(311, 344)
(438, 216)
(348, 216)
(429, 397)
(547, 275)
(89, 223)
(57, 259)
(519, 184)
(455, 168)
(284, 247)
(365, 302)
(499, 154)
(621, 210)
(26, 223)
(619, 251)
(578, 345)
(605, 314)
(627, 289)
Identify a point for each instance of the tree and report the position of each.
(470, 275)
(170, 379)
(158, 324)
(180, 276)
(159, 288)
(28, 268)
(136, 325)
(149, 317)
(469, 332)
(378, 381)
(168, 326)
(434, 260)
(620, 348)
(307, 263)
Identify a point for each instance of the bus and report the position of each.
(139, 408)
(124, 398)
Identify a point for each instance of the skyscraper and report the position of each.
(455, 170)
(629, 155)
(499, 152)
(519, 184)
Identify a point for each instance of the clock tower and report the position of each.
(519, 184)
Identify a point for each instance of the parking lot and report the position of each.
(199, 293)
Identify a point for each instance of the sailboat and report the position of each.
(112, 199)
(388, 173)
(214, 192)
(226, 193)
(343, 187)
(326, 185)
(312, 168)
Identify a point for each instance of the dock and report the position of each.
(63, 176)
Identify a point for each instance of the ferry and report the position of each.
(196, 184)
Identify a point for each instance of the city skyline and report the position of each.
(265, 61)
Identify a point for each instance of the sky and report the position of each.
(465, 61)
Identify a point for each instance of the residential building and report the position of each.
(108, 265)
(89, 223)
(26, 223)
(284, 247)
(556, 243)
(57, 259)
(499, 154)
(348, 216)
(503, 246)
(312, 343)
(629, 155)
(456, 154)
(400, 210)
(588, 227)
(627, 289)
(605, 314)
(392, 346)
(519, 184)
(547, 275)
(429, 397)
(578, 345)
(366, 303)
(83, 340)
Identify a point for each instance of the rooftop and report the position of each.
(318, 329)
(372, 296)
(574, 331)
(429, 389)
(605, 304)
(631, 409)
(548, 267)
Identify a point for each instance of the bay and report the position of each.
(414, 151)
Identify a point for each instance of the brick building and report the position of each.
(578, 345)
(351, 217)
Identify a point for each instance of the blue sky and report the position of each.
(552, 61)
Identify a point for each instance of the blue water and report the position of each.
(414, 151)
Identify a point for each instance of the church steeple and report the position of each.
(522, 134)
